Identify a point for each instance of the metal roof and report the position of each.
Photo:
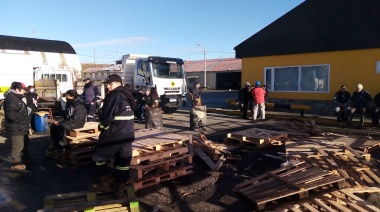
(318, 26)
(32, 44)
(213, 65)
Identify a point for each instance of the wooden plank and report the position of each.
(219, 163)
(205, 158)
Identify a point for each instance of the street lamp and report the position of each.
(204, 59)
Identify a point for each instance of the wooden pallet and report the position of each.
(298, 146)
(144, 157)
(287, 181)
(355, 193)
(329, 201)
(154, 179)
(163, 165)
(88, 128)
(90, 201)
(256, 138)
(354, 167)
(77, 156)
(154, 140)
(251, 144)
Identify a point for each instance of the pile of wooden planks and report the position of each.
(80, 143)
(346, 200)
(298, 179)
(256, 138)
(159, 156)
(346, 167)
(91, 201)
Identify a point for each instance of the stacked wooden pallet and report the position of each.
(256, 138)
(80, 143)
(159, 156)
(91, 201)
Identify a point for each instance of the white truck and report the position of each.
(51, 66)
(142, 71)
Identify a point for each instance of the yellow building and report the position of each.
(306, 55)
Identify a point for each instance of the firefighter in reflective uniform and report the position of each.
(116, 137)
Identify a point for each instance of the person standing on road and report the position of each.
(341, 100)
(258, 95)
(359, 103)
(197, 116)
(17, 125)
(244, 96)
(90, 96)
(116, 137)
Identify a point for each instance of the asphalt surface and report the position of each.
(202, 190)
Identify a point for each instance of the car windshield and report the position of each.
(167, 70)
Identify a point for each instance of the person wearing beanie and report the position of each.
(258, 96)
(359, 103)
(17, 125)
(244, 97)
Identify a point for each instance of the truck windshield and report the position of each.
(60, 77)
(167, 70)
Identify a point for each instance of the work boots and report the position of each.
(119, 190)
(102, 186)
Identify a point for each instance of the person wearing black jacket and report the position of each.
(341, 103)
(90, 96)
(116, 137)
(17, 125)
(74, 117)
(244, 97)
(359, 104)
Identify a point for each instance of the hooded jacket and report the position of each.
(16, 114)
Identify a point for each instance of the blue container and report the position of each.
(41, 123)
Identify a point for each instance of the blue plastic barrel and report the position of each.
(41, 122)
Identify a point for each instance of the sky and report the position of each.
(101, 31)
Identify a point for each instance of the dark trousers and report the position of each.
(20, 148)
(245, 109)
(122, 158)
(57, 134)
(361, 112)
(375, 116)
(91, 112)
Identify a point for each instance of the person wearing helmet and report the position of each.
(258, 96)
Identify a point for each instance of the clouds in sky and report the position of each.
(130, 41)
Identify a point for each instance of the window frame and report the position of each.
(299, 67)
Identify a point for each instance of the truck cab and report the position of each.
(52, 84)
(167, 75)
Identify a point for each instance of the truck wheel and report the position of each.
(169, 110)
